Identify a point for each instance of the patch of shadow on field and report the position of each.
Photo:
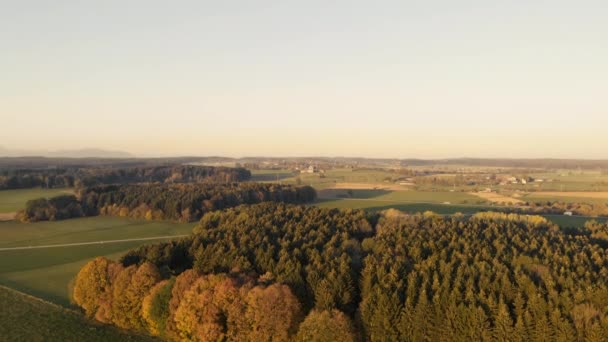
(352, 193)
(52, 298)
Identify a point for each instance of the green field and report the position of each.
(572, 221)
(405, 196)
(327, 179)
(532, 197)
(25, 318)
(47, 272)
(372, 204)
(569, 180)
(270, 175)
(13, 200)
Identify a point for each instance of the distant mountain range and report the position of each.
(80, 153)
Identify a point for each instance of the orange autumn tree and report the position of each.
(222, 307)
(199, 316)
(326, 325)
(273, 313)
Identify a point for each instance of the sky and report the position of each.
(399, 79)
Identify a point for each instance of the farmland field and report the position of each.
(47, 272)
(568, 180)
(24, 318)
(405, 196)
(372, 204)
(270, 175)
(13, 200)
(569, 197)
(331, 178)
(496, 197)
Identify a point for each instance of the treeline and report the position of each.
(336, 275)
(32, 178)
(176, 202)
(83, 177)
(308, 260)
(197, 307)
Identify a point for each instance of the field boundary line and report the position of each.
(91, 243)
(44, 301)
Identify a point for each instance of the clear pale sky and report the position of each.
(422, 79)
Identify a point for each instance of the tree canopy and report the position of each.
(275, 271)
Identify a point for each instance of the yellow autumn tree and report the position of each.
(155, 307)
(199, 317)
(320, 326)
(130, 288)
(93, 281)
(183, 282)
(104, 313)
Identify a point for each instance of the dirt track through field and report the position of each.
(92, 243)
(371, 186)
(496, 198)
(7, 216)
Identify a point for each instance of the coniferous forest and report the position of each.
(282, 272)
(176, 202)
(89, 175)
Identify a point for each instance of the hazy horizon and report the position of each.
(433, 79)
(106, 153)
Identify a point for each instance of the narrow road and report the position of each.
(91, 243)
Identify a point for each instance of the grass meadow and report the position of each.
(14, 200)
(47, 272)
(25, 318)
(374, 205)
(326, 180)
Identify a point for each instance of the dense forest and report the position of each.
(176, 202)
(33, 178)
(164, 174)
(283, 272)
(82, 177)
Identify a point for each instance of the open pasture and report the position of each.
(14, 200)
(335, 177)
(47, 272)
(496, 197)
(374, 205)
(25, 318)
(570, 181)
(270, 175)
(433, 197)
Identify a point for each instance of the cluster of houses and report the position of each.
(515, 180)
(310, 169)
